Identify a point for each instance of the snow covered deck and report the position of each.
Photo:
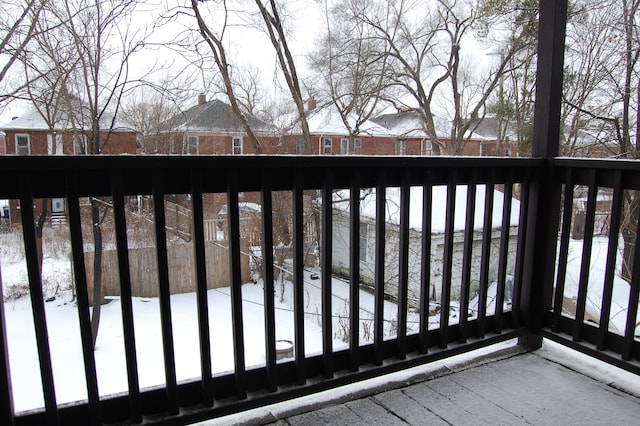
(552, 385)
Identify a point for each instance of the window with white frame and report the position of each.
(344, 146)
(357, 146)
(484, 149)
(237, 148)
(80, 145)
(54, 148)
(401, 147)
(192, 145)
(23, 145)
(327, 145)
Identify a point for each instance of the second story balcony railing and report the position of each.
(485, 292)
(360, 266)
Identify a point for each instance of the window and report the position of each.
(57, 205)
(23, 145)
(344, 146)
(192, 145)
(507, 151)
(54, 149)
(427, 147)
(484, 149)
(237, 148)
(401, 147)
(300, 148)
(327, 145)
(357, 146)
(80, 145)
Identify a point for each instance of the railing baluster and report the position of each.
(520, 250)
(447, 261)
(467, 254)
(485, 256)
(82, 295)
(354, 272)
(201, 287)
(610, 268)
(268, 284)
(37, 299)
(126, 305)
(379, 277)
(327, 276)
(567, 213)
(505, 236)
(586, 256)
(298, 276)
(233, 215)
(425, 262)
(403, 264)
(164, 293)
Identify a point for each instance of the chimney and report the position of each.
(202, 98)
(311, 105)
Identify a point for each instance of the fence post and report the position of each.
(544, 208)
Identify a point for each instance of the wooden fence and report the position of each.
(144, 271)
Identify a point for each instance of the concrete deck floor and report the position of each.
(508, 389)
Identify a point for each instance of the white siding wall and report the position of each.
(340, 258)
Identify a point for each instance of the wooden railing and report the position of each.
(438, 331)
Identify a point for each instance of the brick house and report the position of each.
(410, 138)
(330, 136)
(212, 128)
(31, 135)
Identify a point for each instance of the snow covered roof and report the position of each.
(409, 124)
(328, 121)
(33, 120)
(487, 129)
(438, 207)
(215, 117)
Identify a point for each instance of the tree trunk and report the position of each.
(97, 269)
(39, 227)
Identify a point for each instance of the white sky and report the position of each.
(244, 45)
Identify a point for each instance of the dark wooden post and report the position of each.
(542, 226)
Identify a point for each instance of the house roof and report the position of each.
(487, 129)
(327, 120)
(438, 207)
(215, 117)
(33, 120)
(409, 124)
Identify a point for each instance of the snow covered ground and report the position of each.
(62, 320)
(64, 337)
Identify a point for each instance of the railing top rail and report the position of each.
(94, 173)
(597, 163)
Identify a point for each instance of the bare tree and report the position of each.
(150, 108)
(214, 41)
(271, 13)
(351, 63)
(602, 97)
(99, 41)
(19, 21)
(425, 45)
